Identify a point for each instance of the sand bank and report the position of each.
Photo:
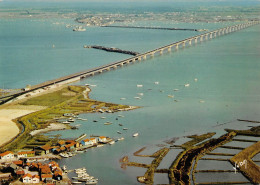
(8, 128)
(51, 127)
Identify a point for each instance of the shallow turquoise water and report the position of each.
(227, 69)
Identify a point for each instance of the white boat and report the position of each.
(122, 98)
(121, 116)
(66, 122)
(103, 117)
(135, 134)
(64, 168)
(119, 132)
(76, 182)
(120, 139)
(196, 79)
(170, 96)
(137, 97)
(202, 101)
(156, 83)
(107, 123)
(139, 85)
(140, 94)
(112, 142)
(175, 89)
(125, 128)
(93, 85)
(71, 120)
(79, 28)
(92, 181)
(186, 85)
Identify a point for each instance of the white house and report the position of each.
(86, 142)
(102, 139)
(7, 155)
(35, 179)
(27, 178)
(94, 140)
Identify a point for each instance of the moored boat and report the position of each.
(135, 134)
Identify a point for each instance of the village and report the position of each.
(36, 166)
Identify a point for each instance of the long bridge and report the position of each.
(153, 28)
(98, 70)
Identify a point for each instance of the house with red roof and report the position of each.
(94, 140)
(86, 142)
(46, 177)
(27, 178)
(7, 155)
(102, 139)
(35, 179)
(26, 154)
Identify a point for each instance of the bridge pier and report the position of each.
(210, 35)
(196, 40)
(161, 51)
(144, 57)
(201, 38)
(169, 49)
(190, 42)
(183, 44)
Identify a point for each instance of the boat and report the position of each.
(121, 116)
(202, 101)
(176, 100)
(103, 117)
(100, 145)
(125, 128)
(64, 168)
(122, 98)
(186, 85)
(139, 85)
(92, 181)
(107, 123)
(119, 132)
(137, 97)
(156, 83)
(175, 89)
(71, 120)
(120, 139)
(170, 96)
(120, 124)
(64, 155)
(135, 134)
(93, 85)
(95, 121)
(79, 28)
(140, 94)
(196, 79)
(76, 182)
(112, 142)
(66, 122)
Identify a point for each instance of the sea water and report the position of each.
(227, 69)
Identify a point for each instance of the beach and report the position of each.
(8, 128)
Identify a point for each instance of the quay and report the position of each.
(159, 51)
(154, 28)
(113, 50)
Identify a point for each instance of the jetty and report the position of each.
(116, 50)
(155, 28)
(141, 57)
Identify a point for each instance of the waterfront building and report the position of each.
(94, 140)
(46, 177)
(86, 142)
(42, 150)
(7, 155)
(102, 139)
(26, 154)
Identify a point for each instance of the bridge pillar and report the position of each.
(210, 35)
(144, 57)
(177, 46)
(169, 49)
(152, 54)
(190, 42)
(215, 34)
(201, 38)
(139, 58)
(184, 44)
(206, 37)
(161, 51)
(196, 40)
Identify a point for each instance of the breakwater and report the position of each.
(155, 28)
(116, 50)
